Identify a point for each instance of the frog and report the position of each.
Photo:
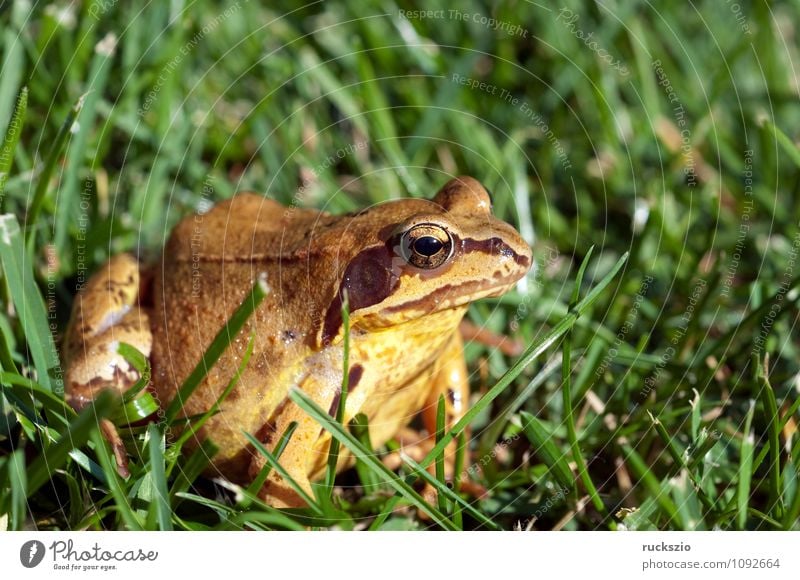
(406, 270)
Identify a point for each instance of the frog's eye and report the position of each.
(426, 246)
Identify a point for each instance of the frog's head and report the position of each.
(413, 258)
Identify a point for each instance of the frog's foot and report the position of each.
(106, 312)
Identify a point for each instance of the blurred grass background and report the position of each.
(662, 129)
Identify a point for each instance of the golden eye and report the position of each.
(426, 246)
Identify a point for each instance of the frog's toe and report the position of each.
(279, 494)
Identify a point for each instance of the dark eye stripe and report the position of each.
(494, 247)
(368, 279)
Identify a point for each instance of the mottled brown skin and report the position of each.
(404, 348)
(105, 313)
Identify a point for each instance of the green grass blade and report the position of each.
(746, 326)
(387, 511)
(447, 493)
(220, 343)
(272, 519)
(333, 452)
(12, 64)
(651, 483)
(273, 461)
(566, 396)
(775, 504)
(259, 481)
(136, 405)
(13, 132)
(458, 468)
(129, 518)
(191, 469)
(679, 458)
(791, 149)
(439, 461)
(787, 416)
(791, 517)
(196, 424)
(142, 365)
(19, 489)
(745, 469)
(545, 447)
(29, 390)
(85, 121)
(159, 478)
(359, 427)
(355, 447)
(53, 155)
(29, 305)
(80, 430)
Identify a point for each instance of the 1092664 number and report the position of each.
(745, 563)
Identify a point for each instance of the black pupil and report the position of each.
(427, 246)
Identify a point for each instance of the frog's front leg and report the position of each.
(105, 313)
(451, 380)
(303, 452)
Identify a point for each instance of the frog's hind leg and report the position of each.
(105, 313)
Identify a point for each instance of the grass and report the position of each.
(666, 142)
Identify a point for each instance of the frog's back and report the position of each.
(245, 227)
(208, 266)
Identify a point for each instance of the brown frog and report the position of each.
(409, 269)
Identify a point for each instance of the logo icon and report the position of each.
(31, 553)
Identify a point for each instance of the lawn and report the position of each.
(648, 152)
